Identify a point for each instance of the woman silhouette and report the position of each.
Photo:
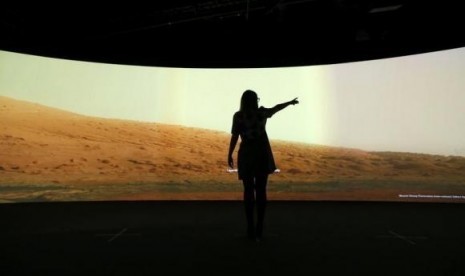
(255, 159)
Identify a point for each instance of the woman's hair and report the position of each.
(249, 101)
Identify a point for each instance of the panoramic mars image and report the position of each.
(49, 154)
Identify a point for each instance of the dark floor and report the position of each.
(207, 238)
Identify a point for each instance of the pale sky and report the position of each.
(414, 103)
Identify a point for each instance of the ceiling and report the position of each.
(231, 33)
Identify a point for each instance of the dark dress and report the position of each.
(255, 156)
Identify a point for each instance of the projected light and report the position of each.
(389, 129)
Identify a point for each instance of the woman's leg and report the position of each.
(249, 202)
(260, 188)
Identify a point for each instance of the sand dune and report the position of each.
(40, 145)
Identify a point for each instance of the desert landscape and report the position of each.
(48, 154)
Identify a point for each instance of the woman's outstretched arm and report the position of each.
(281, 106)
(232, 145)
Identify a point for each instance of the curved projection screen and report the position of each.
(382, 130)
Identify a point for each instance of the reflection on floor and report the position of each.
(208, 237)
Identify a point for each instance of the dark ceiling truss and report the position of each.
(231, 33)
